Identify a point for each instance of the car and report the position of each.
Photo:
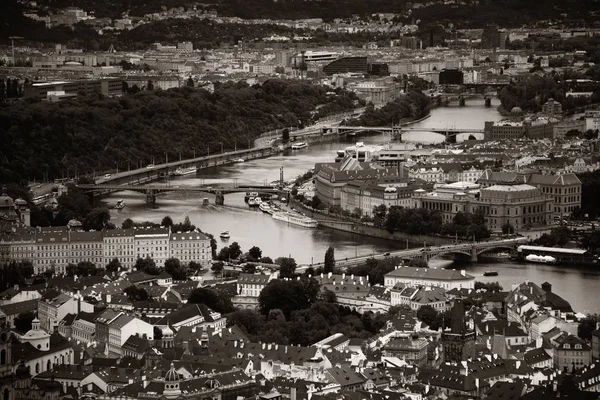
(150, 166)
(106, 176)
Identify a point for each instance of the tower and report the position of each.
(172, 389)
(459, 341)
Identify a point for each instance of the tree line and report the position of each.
(93, 134)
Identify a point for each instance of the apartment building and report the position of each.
(367, 195)
(53, 306)
(190, 246)
(153, 243)
(120, 244)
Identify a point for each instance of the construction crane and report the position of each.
(12, 40)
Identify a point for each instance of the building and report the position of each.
(417, 297)
(564, 188)
(451, 77)
(493, 38)
(552, 107)
(443, 278)
(83, 328)
(190, 246)
(459, 340)
(107, 87)
(561, 128)
(153, 243)
(412, 349)
(379, 92)
(84, 247)
(522, 206)
(346, 65)
(124, 326)
(119, 244)
(53, 306)
(571, 353)
(249, 287)
(367, 195)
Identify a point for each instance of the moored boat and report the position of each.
(120, 204)
(185, 171)
(299, 145)
(252, 202)
(265, 207)
(295, 219)
(490, 273)
(225, 235)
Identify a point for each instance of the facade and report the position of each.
(53, 306)
(521, 205)
(153, 243)
(412, 349)
(446, 279)
(564, 188)
(367, 195)
(417, 297)
(84, 246)
(345, 65)
(571, 353)
(124, 326)
(119, 244)
(84, 327)
(493, 38)
(107, 87)
(459, 340)
(561, 128)
(380, 91)
(552, 107)
(190, 246)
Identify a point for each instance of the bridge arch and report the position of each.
(460, 253)
(505, 247)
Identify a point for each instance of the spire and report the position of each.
(458, 317)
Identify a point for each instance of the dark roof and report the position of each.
(20, 307)
(506, 391)
(536, 355)
(27, 352)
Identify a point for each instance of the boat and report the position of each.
(239, 160)
(185, 171)
(490, 273)
(205, 201)
(496, 256)
(299, 145)
(295, 219)
(224, 235)
(540, 259)
(266, 208)
(252, 202)
(120, 204)
(360, 152)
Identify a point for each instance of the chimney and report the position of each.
(518, 364)
(538, 342)
(329, 275)
(235, 343)
(286, 349)
(108, 298)
(462, 272)
(144, 381)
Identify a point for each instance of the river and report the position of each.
(253, 228)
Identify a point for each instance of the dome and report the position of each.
(20, 202)
(390, 189)
(5, 200)
(172, 375)
(22, 371)
(516, 110)
(461, 194)
(74, 222)
(167, 331)
(73, 63)
(420, 191)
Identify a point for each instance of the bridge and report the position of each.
(397, 130)
(464, 251)
(151, 190)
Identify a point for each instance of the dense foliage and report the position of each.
(216, 299)
(557, 237)
(99, 134)
(590, 193)
(376, 269)
(412, 105)
(422, 221)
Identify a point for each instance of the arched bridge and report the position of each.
(152, 189)
(471, 251)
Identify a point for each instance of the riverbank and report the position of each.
(355, 227)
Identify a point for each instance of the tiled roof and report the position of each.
(20, 307)
(254, 279)
(535, 356)
(429, 274)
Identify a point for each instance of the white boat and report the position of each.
(540, 259)
(252, 202)
(360, 152)
(120, 204)
(299, 145)
(266, 208)
(295, 219)
(225, 235)
(185, 171)
(239, 160)
(257, 201)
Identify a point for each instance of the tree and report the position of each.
(428, 315)
(224, 254)
(23, 321)
(249, 268)
(489, 286)
(287, 267)
(329, 263)
(587, 326)
(190, 82)
(266, 260)
(174, 268)
(289, 296)
(135, 293)
(217, 267)
(215, 299)
(114, 265)
(128, 224)
(285, 135)
(166, 221)
(150, 85)
(255, 253)
(418, 263)
(508, 229)
(235, 250)
(146, 265)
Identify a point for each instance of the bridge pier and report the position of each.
(150, 197)
(219, 198)
(461, 101)
(488, 101)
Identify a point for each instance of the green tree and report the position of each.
(214, 299)
(166, 221)
(285, 135)
(287, 267)
(127, 224)
(429, 316)
(489, 286)
(135, 293)
(289, 296)
(418, 263)
(255, 253)
(114, 265)
(329, 263)
(266, 260)
(150, 85)
(508, 229)
(217, 267)
(190, 82)
(249, 268)
(587, 326)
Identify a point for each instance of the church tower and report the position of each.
(172, 389)
(459, 340)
